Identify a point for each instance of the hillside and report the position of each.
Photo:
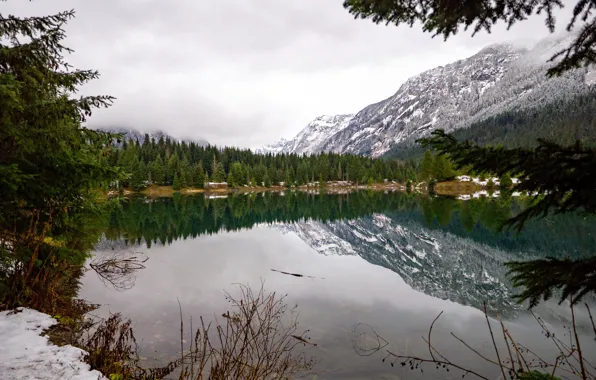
(564, 121)
(312, 138)
(490, 86)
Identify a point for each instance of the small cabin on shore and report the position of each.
(216, 185)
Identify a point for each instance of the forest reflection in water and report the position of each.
(441, 249)
(164, 220)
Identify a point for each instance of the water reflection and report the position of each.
(445, 253)
(164, 220)
(443, 247)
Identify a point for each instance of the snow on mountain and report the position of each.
(498, 78)
(275, 148)
(311, 138)
(424, 102)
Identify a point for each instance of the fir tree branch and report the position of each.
(540, 278)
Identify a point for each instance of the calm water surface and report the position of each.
(392, 261)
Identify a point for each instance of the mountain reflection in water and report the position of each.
(337, 256)
(444, 247)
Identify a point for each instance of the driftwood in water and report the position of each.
(293, 274)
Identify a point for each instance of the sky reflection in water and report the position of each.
(345, 290)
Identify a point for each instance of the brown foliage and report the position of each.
(258, 339)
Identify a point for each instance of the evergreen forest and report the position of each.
(183, 164)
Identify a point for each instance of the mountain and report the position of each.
(134, 134)
(312, 137)
(564, 120)
(275, 148)
(497, 79)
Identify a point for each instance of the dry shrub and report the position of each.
(516, 361)
(258, 339)
(112, 347)
(73, 323)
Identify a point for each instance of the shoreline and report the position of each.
(447, 188)
(167, 191)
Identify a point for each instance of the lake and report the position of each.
(384, 262)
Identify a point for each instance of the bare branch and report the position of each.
(494, 343)
(430, 330)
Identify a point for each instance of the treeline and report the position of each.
(187, 164)
(563, 121)
(436, 168)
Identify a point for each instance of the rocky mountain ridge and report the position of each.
(499, 77)
(312, 137)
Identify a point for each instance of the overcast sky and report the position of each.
(246, 72)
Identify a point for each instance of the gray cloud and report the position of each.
(246, 72)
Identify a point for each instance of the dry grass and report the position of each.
(258, 338)
(158, 191)
(155, 191)
(455, 188)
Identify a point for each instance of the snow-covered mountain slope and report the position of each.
(312, 137)
(315, 134)
(275, 148)
(498, 78)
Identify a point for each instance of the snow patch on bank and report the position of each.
(25, 354)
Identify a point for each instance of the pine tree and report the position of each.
(172, 168)
(439, 168)
(232, 182)
(505, 182)
(267, 180)
(49, 162)
(217, 170)
(302, 174)
(184, 172)
(136, 178)
(289, 178)
(570, 190)
(183, 179)
(198, 176)
(176, 183)
(157, 171)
